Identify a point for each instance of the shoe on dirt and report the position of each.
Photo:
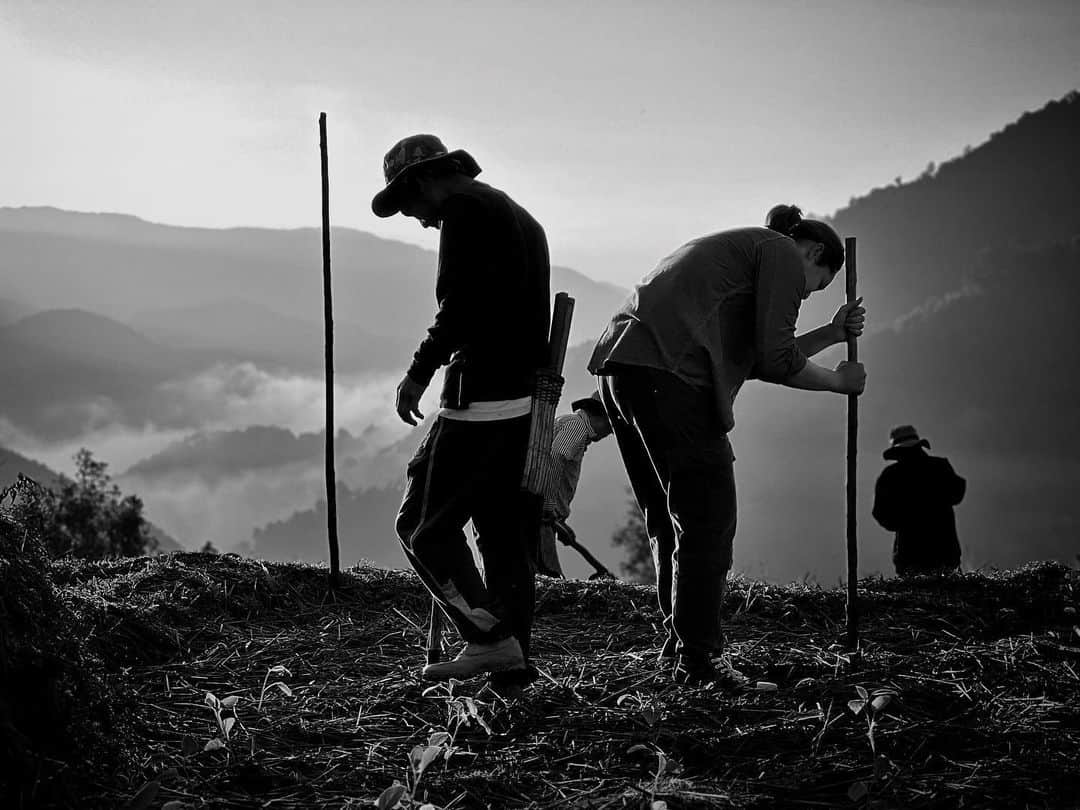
(695, 670)
(477, 658)
(730, 679)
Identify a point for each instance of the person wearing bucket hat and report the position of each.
(915, 498)
(586, 424)
(716, 312)
(490, 332)
(412, 157)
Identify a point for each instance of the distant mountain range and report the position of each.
(157, 303)
(255, 292)
(971, 273)
(920, 239)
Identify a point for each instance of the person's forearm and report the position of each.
(813, 377)
(817, 340)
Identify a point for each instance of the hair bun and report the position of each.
(783, 218)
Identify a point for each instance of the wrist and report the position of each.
(417, 378)
(836, 382)
(839, 333)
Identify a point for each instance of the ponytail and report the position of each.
(788, 220)
(783, 218)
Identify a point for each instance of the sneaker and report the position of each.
(477, 658)
(730, 679)
(694, 670)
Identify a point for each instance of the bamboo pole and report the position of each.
(549, 384)
(328, 320)
(435, 633)
(852, 449)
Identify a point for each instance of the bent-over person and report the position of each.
(914, 497)
(490, 332)
(719, 310)
(574, 433)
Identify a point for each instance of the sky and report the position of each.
(625, 127)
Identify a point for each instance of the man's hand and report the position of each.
(849, 320)
(409, 392)
(851, 378)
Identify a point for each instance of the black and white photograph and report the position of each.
(520, 405)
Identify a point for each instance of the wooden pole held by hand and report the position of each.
(852, 448)
(328, 320)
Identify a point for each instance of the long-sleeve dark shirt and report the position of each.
(493, 292)
(914, 497)
(715, 312)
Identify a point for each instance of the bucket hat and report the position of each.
(902, 438)
(405, 156)
(591, 404)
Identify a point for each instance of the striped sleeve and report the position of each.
(568, 445)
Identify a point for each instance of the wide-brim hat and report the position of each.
(405, 156)
(903, 438)
(591, 404)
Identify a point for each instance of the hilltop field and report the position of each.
(195, 681)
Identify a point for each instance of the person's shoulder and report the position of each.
(563, 420)
(890, 470)
(567, 421)
(767, 240)
(940, 462)
(480, 196)
(468, 202)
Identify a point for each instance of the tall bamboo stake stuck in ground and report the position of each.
(852, 449)
(328, 321)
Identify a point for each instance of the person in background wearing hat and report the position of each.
(491, 332)
(914, 497)
(717, 311)
(574, 433)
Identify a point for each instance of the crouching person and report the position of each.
(491, 332)
(573, 434)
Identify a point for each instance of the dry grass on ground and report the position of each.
(967, 694)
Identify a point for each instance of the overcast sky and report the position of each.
(625, 127)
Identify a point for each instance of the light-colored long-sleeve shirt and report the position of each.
(717, 311)
(570, 439)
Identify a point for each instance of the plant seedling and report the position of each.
(224, 724)
(279, 685)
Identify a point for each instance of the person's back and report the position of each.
(503, 317)
(914, 497)
(715, 312)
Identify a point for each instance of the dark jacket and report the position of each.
(914, 497)
(494, 300)
(717, 311)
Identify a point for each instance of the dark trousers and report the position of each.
(680, 466)
(463, 471)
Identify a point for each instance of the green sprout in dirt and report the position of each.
(663, 765)
(399, 796)
(648, 706)
(225, 716)
(461, 711)
(870, 705)
(279, 685)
